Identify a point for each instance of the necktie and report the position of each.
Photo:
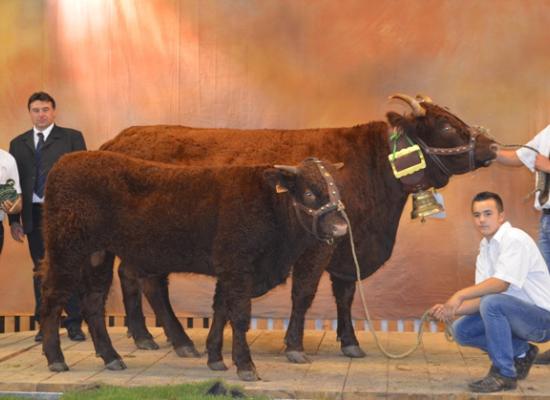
(40, 178)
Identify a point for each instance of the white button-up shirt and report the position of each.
(513, 256)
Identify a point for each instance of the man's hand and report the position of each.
(448, 311)
(450, 307)
(542, 163)
(17, 232)
(435, 311)
(11, 207)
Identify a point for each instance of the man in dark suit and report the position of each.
(35, 152)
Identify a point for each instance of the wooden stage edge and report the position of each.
(438, 369)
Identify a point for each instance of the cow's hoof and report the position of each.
(298, 357)
(353, 351)
(146, 344)
(58, 366)
(248, 376)
(187, 351)
(116, 365)
(217, 366)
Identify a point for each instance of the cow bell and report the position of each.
(424, 204)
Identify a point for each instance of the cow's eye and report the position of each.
(448, 130)
(309, 196)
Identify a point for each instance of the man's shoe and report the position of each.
(543, 358)
(523, 365)
(39, 336)
(76, 334)
(493, 382)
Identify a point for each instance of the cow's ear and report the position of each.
(280, 180)
(338, 165)
(395, 119)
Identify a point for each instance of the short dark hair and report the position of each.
(42, 96)
(482, 196)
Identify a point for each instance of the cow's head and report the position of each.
(315, 196)
(450, 146)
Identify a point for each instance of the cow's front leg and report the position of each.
(156, 290)
(343, 292)
(306, 274)
(214, 341)
(97, 282)
(131, 297)
(236, 291)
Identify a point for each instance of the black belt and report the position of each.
(546, 210)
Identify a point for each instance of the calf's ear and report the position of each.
(281, 180)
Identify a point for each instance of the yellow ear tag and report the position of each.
(401, 154)
(280, 189)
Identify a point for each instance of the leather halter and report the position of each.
(334, 203)
(434, 152)
(417, 181)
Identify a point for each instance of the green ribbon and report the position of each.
(394, 137)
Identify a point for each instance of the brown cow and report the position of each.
(218, 221)
(369, 184)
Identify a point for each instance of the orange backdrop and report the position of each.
(288, 64)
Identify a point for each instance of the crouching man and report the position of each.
(509, 305)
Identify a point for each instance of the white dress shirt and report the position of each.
(513, 256)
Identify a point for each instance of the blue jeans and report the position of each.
(544, 237)
(503, 327)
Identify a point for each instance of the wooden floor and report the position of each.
(439, 369)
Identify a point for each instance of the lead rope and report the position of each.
(425, 316)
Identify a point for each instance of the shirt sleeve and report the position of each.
(12, 173)
(511, 264)
(528, 156)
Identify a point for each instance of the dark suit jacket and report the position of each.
(60, 141)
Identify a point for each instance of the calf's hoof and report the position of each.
(58, 366)
(248, 376)
(298, 357)
(353, 351)
(116, 365)
(146, 344)
(187, 352)
(217, 366)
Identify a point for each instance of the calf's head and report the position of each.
(450, 146)
(315, 196)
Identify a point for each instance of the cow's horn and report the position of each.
(418, 110)
(287, 168)
(425, 99)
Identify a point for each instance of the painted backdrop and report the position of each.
(288, 64)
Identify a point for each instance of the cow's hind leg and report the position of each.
(305, 280)
(214, 341)
(131, 296)
(156, 291)
(97, 281)
(343, 293)
(56, 290)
